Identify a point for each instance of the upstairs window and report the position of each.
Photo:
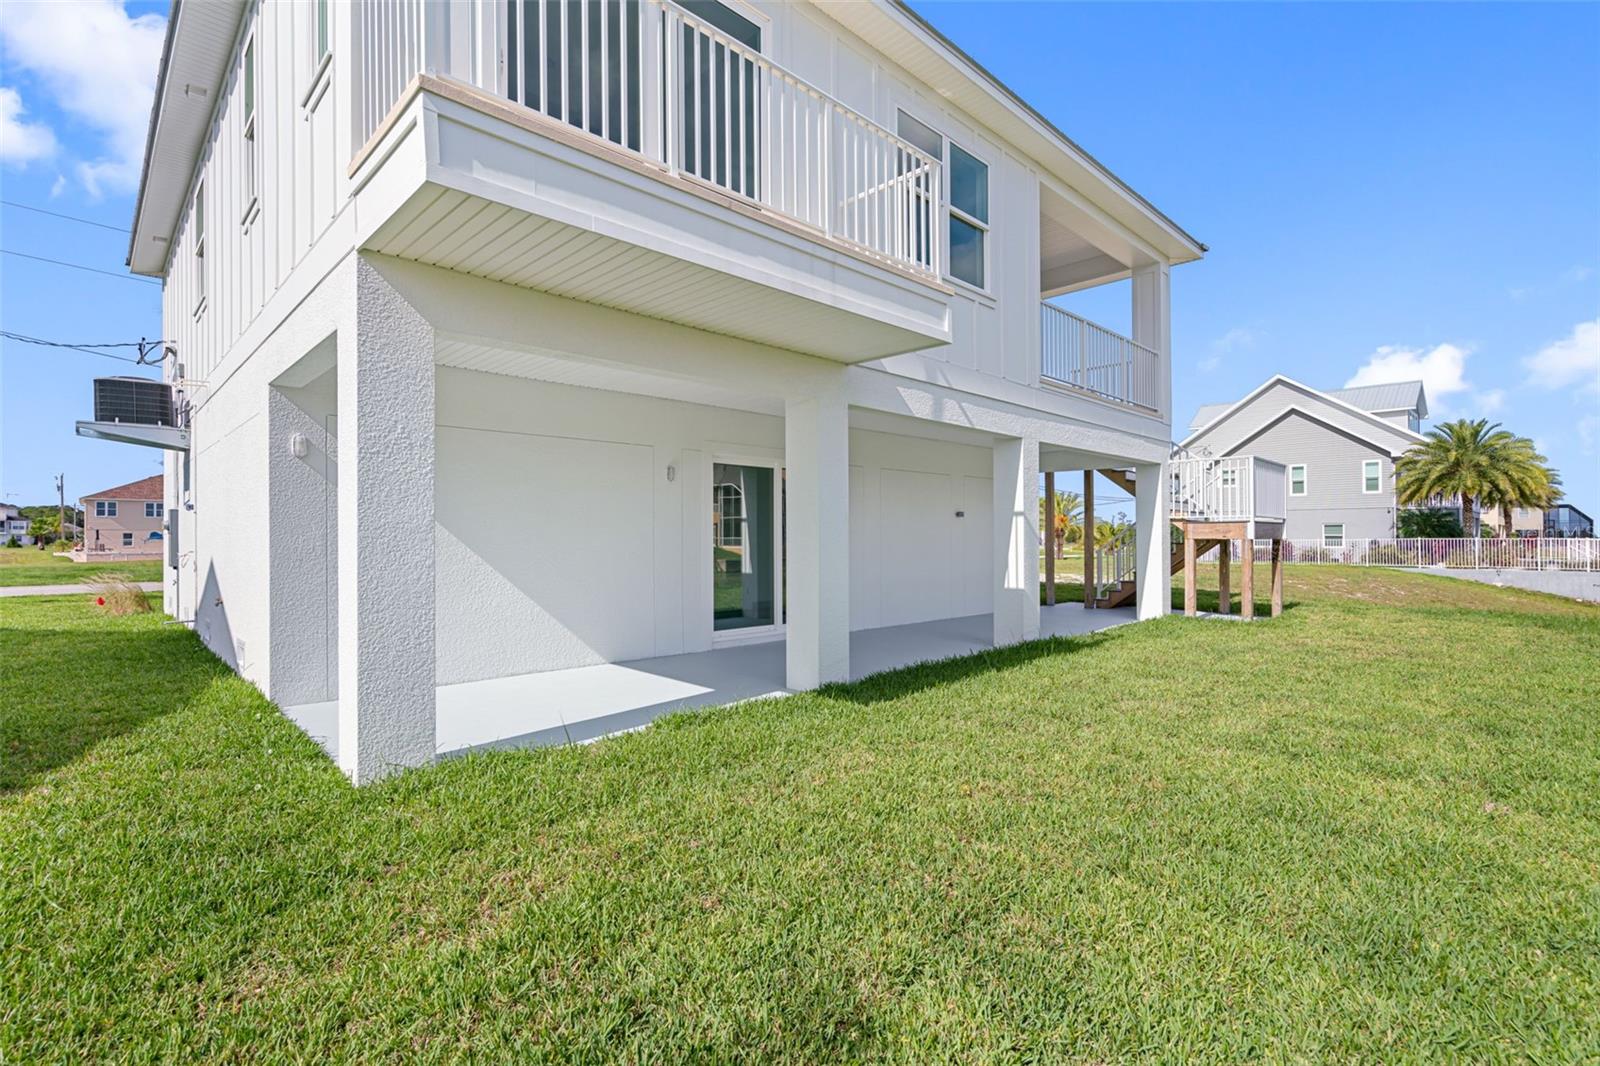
(200, 246)
(1371, 476)
(321, 31)
(105, 508)
(248, 77)
(969, 216)
(1297, 479)
(966, 206)
(154, 510)
(923, 231)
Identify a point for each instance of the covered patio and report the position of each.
(589, 702)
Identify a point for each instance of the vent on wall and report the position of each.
(136, 401)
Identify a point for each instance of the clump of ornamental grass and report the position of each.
(115, 594)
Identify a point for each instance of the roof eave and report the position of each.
(1192, 245)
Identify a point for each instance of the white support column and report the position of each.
(385, 520)
(1016, 540)
(817, 455)
(1152, 324)
(1152, 541)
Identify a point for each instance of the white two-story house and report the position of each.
(525, 339)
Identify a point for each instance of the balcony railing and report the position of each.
(651, 78)
(1087, 356)
(1235, 488)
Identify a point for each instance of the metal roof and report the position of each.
(1391, 396)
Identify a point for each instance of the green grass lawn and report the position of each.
(30, 566)
(1368, 830)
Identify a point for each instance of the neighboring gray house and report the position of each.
(1339, 447)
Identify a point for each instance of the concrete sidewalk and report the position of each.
(66, 590)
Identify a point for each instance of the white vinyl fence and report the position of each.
(1457, 553)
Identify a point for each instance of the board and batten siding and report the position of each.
(257, 232)
(993, 332)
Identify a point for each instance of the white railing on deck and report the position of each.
(1112, 566)
(1084, 355)
(1213, 490)
(391, 37)
(648, 76)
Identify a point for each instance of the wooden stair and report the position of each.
(1125, 591)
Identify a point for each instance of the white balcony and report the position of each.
(660, 166)
(1087, 357)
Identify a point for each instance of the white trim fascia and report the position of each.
(928, 37)
(1317, 393)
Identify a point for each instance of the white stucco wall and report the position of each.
(561, 542)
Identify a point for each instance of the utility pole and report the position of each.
(61, 507)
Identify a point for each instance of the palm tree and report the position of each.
(1479, 463)
(1113, 533)
(1069, 519)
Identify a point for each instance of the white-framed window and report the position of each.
(250, 156)
(127, 540)
(969, 217)
(154, 510)
(1230, 477)
(105, 508)
(924, 227)
(200, 246)
(1371, 476)
(1333, 535)
(966, 205)
(1297, 479)
(321, 31)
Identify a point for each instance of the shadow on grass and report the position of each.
(72, 680)
(909, 680)
(1205, 599)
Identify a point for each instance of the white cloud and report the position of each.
(99, 65)
(58, 186)
(1588, 433)
(1573, 360)
(1236, 339)
(1578, 273)
(1442, 370)
(21, 141)
(1490, 400)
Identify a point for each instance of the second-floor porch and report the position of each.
(653, 157)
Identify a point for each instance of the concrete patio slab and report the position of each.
(589, 702)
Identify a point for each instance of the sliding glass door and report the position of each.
(745, 548)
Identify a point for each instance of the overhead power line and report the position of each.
(78, 266)
(69, 218)
(84, 348)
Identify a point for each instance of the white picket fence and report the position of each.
(1456, 553)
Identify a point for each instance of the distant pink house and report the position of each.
(126, 521)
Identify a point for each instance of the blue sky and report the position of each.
(1413, 190)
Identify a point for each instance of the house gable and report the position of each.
(1244, 420)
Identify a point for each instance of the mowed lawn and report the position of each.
(1366, 831)
(30, 566)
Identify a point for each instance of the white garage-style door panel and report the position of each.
(917, 543)
(545, 553)
(973, 571)
(865, 563)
